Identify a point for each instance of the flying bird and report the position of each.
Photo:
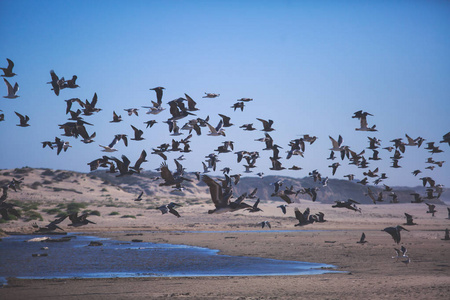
(8, 71)
(23, 120)
(395, 232)
(362, 240)
(12, 91)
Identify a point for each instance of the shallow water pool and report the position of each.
(75, 259)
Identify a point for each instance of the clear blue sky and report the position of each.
(308, 65)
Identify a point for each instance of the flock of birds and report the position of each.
(221, 190)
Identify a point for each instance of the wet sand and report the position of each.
(370, 270)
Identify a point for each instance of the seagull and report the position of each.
(23, 120)
(264, 224)
(395, 232)
(169, 208)
(400, 253)
(56, 82)
(211, 95)
(132, 111)
(7, 72)
(409, 220)
(336, 144)
(334, 166)
(238, 105)
(159, 94)
(350, 176)
(218, 131)
(248, 127)
(364, 126)
(266, 124)
(11, 91)
(137, 134)
(71, 83)
(117, 137)
(362, 240)
(226, 121)
(283, 208)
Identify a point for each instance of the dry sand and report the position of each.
(370, 271)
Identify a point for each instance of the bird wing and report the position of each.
(215, 191)
(165, 173)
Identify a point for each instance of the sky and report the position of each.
(308, 65)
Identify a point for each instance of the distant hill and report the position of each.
(40, 184)
(335, 190)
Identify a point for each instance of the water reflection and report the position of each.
(75, 259)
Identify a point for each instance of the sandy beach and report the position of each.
(368, 269)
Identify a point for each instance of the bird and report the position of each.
(265, 223)
(447, 235)
(117, 137)
(431, 209)
(71, 83)
(395, 232)
(267, 125)
(137, 166)
(53, 225)
(78, 221)
(159, 94)
(56, 82)
(116, 118)
(350, 176)
(137, 134)
(191, 103)
(131, 111)
(217, 131)
(362, 240)
(363, 124)
(226, 121)
(283, 208)
(169, 208)
(248, 127)
(211, 95)
(12, 91)
(334, 166)
(255, 207)
(409, 220)
(336, 144)
(221, 198)
(8, 71)
(446, 138)
(302, 217)
(169, 178)
(122, 165)
(349, 204)
(23, 120)
(399, 253)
